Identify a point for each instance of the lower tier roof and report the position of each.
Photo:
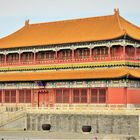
(102, 73)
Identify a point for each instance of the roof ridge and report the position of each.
(71, 20)
(123, 20)
(117, 15)
(130, 23)
(17, 31)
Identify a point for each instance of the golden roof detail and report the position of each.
(71, 31)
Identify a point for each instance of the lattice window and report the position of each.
(13, 96)
(27, 96)
(94, 96)
(21, 96)
(80, 96)
(102, 95)
(62, 95)
(76, 96)
(83, 95)
(98, 95)
(66, 95)
(59, 95)
(7, 96)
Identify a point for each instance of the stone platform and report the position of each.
(42, 135)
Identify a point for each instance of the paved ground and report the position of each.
(38, 135)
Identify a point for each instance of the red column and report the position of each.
(72, 55)
(2, 97)
(90, 54)
(124, 52)
(5, 56)
(56, 56)
(88, 96)
(32, 97)
(98, 96)
(54, 96)
(107, 96)
(17, 96)
(34, 57)
(109, 56)
(19, 58)
(52, 92)
(125, 95)
(135, 53)
(70, 97)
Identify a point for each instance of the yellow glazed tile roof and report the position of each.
(101, 73)
(71, 31)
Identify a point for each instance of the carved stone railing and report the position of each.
(85, 109)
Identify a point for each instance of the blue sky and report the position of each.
(13, 13)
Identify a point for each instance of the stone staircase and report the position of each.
(8, 115)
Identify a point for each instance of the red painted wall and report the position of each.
(116, 96)
(133, 96)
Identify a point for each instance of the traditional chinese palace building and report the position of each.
(82, 61)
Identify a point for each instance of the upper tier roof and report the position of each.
(71, 31)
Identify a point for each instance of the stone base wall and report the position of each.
(102, 124)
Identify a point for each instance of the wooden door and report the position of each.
(45, 98)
